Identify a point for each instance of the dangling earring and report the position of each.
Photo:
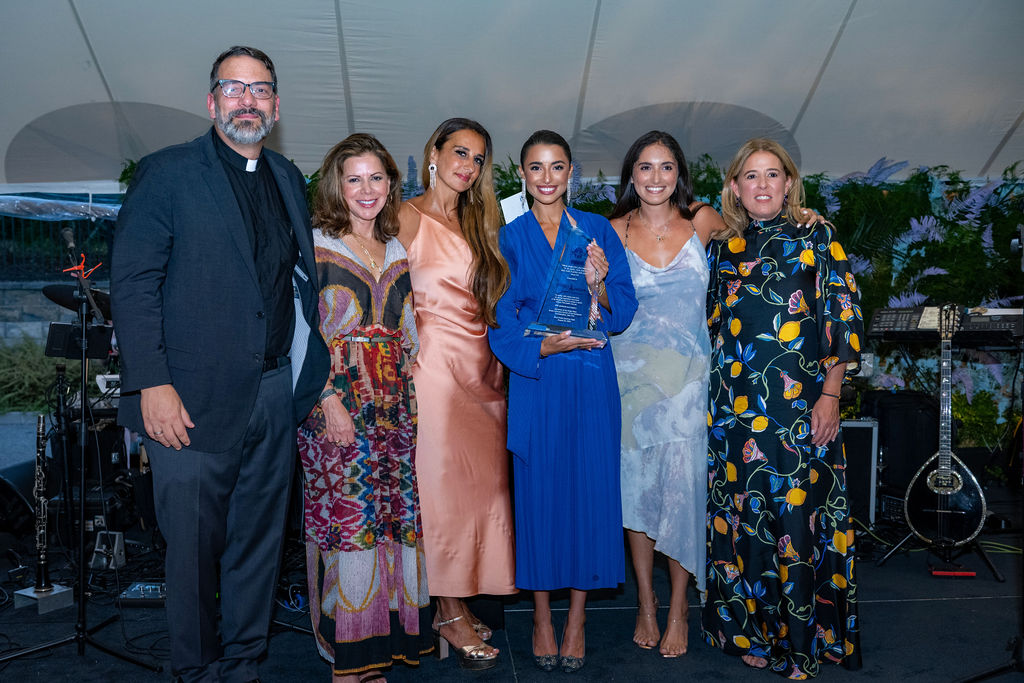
(568, 194)
(432, 170)
(785, 199)
(736, 202)
(522, 195)
(522, 181)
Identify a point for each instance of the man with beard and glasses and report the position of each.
(214, 293)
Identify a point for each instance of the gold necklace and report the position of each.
(658, 236)
(362, 245)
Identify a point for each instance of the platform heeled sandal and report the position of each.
(474, 657)
(483, 630)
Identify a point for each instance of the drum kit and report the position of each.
(17, 480)
(76, 442)
(102, 457)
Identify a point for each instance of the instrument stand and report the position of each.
(83, 634)
(948, 557)
(892, 551)
(295, 628)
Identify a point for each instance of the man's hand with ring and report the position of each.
(164, 416)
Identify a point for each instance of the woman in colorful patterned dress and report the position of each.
(662, 363)
(364, 549)
(786, 327)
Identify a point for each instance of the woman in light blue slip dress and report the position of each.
(662, 362)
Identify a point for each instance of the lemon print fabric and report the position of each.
(785, 308)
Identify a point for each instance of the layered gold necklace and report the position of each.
(362, 245)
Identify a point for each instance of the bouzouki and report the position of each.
(944, 505)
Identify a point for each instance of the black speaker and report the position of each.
(17, 516)
(860, 443)
(908, 432)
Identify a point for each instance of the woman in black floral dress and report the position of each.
(786, 327)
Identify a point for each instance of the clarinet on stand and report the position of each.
(44, 595)
(43, 584)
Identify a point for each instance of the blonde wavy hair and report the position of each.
(735, 216)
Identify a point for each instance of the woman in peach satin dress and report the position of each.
(451, 235)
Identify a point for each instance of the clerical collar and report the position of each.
(232, 157)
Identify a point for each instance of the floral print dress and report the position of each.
(784, 308)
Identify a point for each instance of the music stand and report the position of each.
(82, 350)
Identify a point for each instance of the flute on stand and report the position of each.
(43, 584)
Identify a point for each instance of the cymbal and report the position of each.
(64, 295)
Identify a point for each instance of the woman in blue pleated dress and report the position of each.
(564, 414)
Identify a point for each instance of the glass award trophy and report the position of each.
(568, 302)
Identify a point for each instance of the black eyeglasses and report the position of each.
(261, 90)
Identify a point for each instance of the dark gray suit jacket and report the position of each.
(185, 297)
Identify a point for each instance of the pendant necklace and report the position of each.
(658, 236)
(362, 245)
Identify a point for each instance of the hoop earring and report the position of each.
(432, 169)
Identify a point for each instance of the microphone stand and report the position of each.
(83, 634)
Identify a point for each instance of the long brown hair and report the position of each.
(479, 219)
(682, 194)
(331, 213)
(735, 216)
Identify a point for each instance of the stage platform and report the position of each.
(914, 627)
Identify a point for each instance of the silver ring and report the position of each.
(157, 433)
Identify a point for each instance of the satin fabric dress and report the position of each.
(662, 361)
(461, 461)
(563, 420)
(780, 570)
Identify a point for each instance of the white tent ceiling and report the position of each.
(90, 83)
